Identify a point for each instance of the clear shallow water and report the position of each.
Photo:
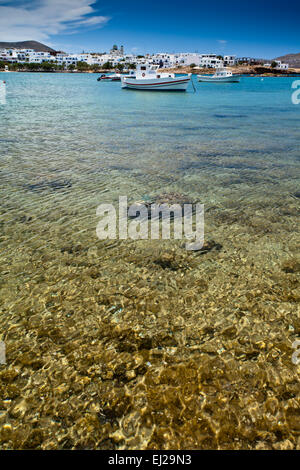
(82, 318)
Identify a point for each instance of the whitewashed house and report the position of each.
(229, 60)
(279, 65)
(163, 59)
(188, 58)
(210, 61)
(9, 55)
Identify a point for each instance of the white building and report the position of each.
(187, 58)
(210, 61)
(37, 57)
(166, 60)
(246, 60)
(25, 55)
(117, 56)
(163, 59)
(9, 55)
(279, 65)
(229, 60)
(89, 58)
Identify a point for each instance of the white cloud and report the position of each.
(222, 41)
(22, 20)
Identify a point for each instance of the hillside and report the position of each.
(37, 46)
(292, 59)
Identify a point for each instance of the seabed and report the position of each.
(123, 344)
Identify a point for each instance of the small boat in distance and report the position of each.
(110, 78)
(147, 77)
(221, 75)
(116, 77)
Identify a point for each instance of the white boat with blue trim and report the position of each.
(221, 75)
(148, 77)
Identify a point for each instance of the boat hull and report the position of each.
(161, 84)
(233, 79)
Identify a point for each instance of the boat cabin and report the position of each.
(150, 71)
(223, 72)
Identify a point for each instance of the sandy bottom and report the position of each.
(142, 344)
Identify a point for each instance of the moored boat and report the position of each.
(110, 78)
(221, 75)
(116, 77)
(148, 78)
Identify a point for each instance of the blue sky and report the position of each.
(258, 28)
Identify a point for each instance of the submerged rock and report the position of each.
(172, 198)
(209, 246)
(24, 219)
(167, 261)
(291, 266)
(163, 198)
(54, 185)
(72, 249)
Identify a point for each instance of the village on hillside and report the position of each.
(49, 60)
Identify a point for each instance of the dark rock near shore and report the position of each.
(291, 266)
(53, 185)
(209, 246)
(163, 198)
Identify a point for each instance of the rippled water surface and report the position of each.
(127, 344)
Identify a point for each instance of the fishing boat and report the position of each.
(110, 78)
(116, 77)
(221, 75)
(147, 77)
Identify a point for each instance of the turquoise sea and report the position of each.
(122, 344)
